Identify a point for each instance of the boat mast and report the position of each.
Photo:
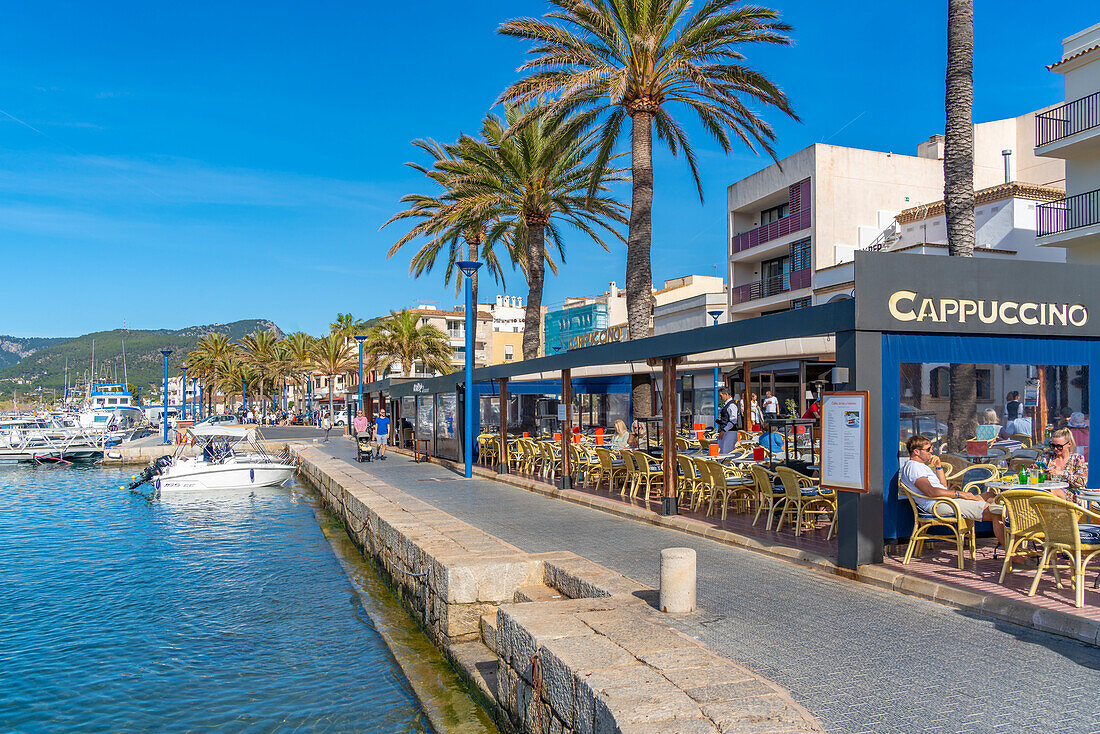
(91, 375)
(125, 378)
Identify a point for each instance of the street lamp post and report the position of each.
(164, 416)
(183, 394)
(360, 339)
(194, 399)
(468, 269)
(717, 370)
(244, 398)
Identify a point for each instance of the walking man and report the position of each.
(382, 432)
(727, 422)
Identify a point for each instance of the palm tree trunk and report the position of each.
(958, 194)
(639, 276)
(536, 272)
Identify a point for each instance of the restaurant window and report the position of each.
(509, 352)
(1028, 400)
(775, 213)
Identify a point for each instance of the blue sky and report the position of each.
(185, 163)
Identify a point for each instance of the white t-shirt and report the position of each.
(911, 472)
(771, 405)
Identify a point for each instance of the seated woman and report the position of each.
(621, 439)
(989, 427)
(1063, 464)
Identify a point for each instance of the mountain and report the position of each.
(15, 348)
(43, 361)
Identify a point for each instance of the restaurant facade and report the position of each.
(912, 316)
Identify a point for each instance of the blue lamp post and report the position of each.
(183, 394)
(468, 269)
(164, 416)
(717, 371)
(199, 396)
(360, 339)
(194, 399)
(309, 400)
(244, 398)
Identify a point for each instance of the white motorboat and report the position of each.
(230, 459)
(46, 439)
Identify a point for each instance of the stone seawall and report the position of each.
(550, 643)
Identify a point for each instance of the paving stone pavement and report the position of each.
(859, 658)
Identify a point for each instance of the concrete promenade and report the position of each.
(859, 658)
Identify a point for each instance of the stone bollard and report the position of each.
(677, 580)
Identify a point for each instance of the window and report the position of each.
(800, 255)
(801, 303)
(774, 214)
(509, 352)
(939, 383)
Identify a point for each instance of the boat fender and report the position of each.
(252, 475)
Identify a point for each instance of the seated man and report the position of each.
(923, 474)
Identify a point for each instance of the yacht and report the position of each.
(229, 458)
(47, 439)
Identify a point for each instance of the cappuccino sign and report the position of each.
(907, 305)
(603, 336)
(936, 294)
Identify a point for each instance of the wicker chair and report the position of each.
(1023, 438)
(614, 470)
(649, 472)
(962, 529)
(769, 497)
(1061, 521)
(691, 481)
(1022, 524)
(804, 499)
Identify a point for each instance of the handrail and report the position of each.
(1072, 212)
(1068, 119)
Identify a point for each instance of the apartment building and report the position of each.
(1070, 133)
(453, 324)
(812, 210)
(688, 302)
(506, 338)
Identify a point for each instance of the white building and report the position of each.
(1071, 133)
(687, 303)
(508, 313)
(812, 210)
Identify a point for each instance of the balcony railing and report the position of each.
(1064, 215)
(772, 286)
(1068, 119)
(772, 231)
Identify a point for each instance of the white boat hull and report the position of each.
(223, 476)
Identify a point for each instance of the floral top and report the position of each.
(1076, 471)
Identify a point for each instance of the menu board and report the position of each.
(844, 440)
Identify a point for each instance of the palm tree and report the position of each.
(332, 355)
(231, 373)
(209, 357)
(347, 325)
(616, 59)
(439, 221)
(528, 180)
(958, 195)
(401, 338)
(299, 355)
(260, 352)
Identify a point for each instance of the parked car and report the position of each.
(220, 420)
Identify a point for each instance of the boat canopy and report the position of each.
(215, 431)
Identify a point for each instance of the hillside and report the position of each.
(44, 365)
(15, 348)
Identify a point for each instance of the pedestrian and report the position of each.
(326, 425)
(726, 423)
(771, 406)
(360, 424)
(382, 432)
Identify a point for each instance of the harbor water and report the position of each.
(195, 611)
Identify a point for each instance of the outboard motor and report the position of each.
(156, 466)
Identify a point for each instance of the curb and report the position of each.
(1014, 611)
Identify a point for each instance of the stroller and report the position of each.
(366, 448)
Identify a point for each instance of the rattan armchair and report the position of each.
(805, 499)
(649, 473)
(962, 529)
(1022, 524)
(1061, 521)
(769, 497)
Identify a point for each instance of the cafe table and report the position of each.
(1047, 486)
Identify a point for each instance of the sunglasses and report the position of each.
(1058, 445)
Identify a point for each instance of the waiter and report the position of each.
(727, 422)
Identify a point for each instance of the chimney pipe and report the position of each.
(1008, 165)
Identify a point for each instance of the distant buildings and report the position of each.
(1071, 133)
(577, 316)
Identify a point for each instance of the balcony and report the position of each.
(796, 221)
(772, 286)
(1068, 126)
(1064, 215)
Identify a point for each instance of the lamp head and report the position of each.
(468, 267)
(166, 352)
(360, 338)
(714, 315)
